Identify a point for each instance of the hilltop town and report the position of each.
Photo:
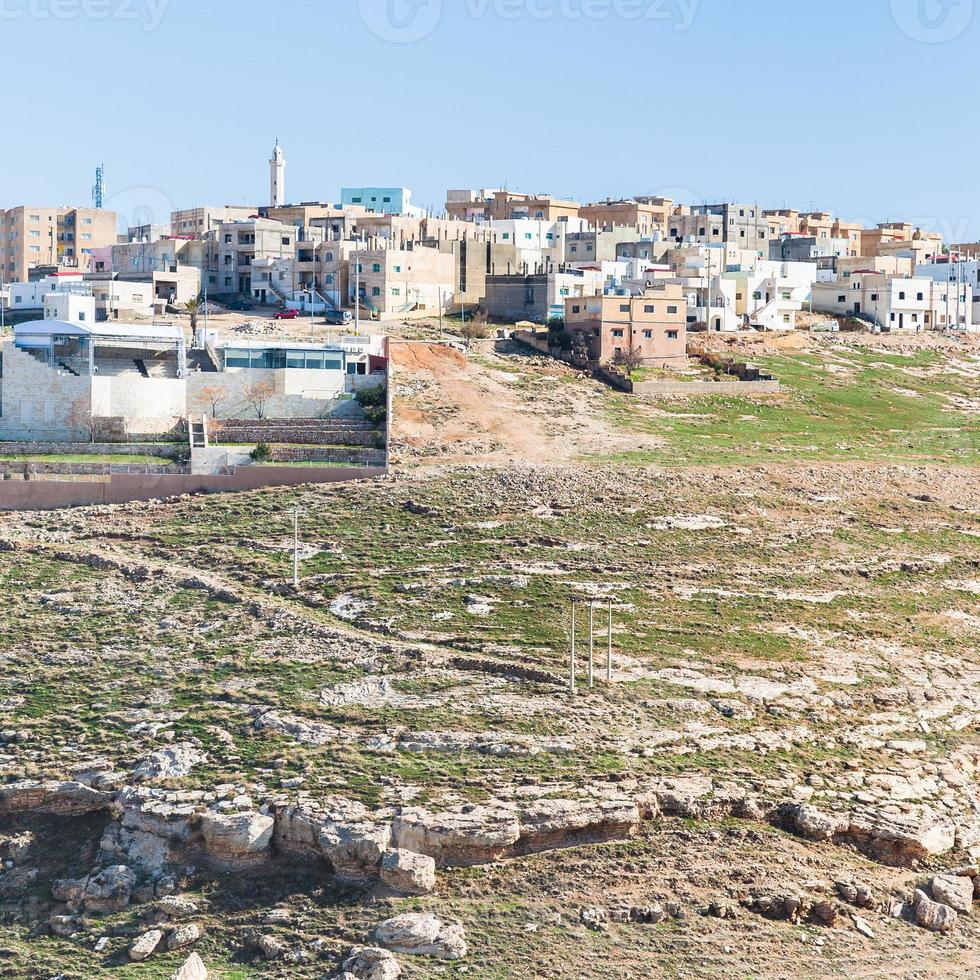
(517, 588)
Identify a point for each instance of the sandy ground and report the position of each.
(497, 405)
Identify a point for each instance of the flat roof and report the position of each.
(276, 345)
(49, 328)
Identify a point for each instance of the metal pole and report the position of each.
(571, 657)
(591, 644)
(296, 549)
(609, 655)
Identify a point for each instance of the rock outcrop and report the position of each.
(422, 934)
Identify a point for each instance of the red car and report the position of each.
(287, 315)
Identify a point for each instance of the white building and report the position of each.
(896, 303)
(961, 273)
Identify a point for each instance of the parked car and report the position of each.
(286, 315)
(241, 306)
(339, 318)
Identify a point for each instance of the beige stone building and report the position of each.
(201, 221)
(52, 238)
(891, 237)
(404, 282)
(653, 324)
(507, 206)
(647, 216)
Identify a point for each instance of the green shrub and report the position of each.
(262, 453)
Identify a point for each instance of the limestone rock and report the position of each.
(63, 925)
(107, 891)
(65, 799)
(183, 936)
(422, 934)
(410, 873)
(814, 824)
(271, 947)
(955, 892)
(371, 963)
(595, 918)
(461, 836)
(354, 850)
(193, 969)
(144, 946)
(236, 839)
(171, 762)
(933, 915)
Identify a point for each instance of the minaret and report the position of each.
(277, 172)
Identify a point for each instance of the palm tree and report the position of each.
(192, 306)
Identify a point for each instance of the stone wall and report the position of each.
(305, 432)
(37, 448)
(652, 389)
(354, 457)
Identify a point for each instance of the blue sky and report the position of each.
(863, 107)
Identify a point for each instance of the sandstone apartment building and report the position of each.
(36, 237)
(653, 324)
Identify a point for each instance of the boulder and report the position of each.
(183, 936)
(271, 947)
(955, 892)
(144, 946)
(171, 762)
(933, 915)
(235, 840)
(423, 934)
(354, 850)
(412, 874)
(108, 891)
(371, 963)
(814, 824)
(193, 969)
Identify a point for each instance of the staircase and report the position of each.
(141, 367)
(198, 431)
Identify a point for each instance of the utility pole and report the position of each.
(296, 548)
(591, 645)
(571, 657)
(609, 654)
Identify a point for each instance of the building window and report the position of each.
(648, 334)
(618, 333)
(376, 291)
(673, 334)
(919, 297)
(649, 309)
(376, 267)
(624, 307)
(901, 295)
(285, 240)
(576, 309)
(671, 310)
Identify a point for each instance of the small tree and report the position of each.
(259, 395)
(476, 328)
(629, 360)
(80, 417)
(211, 397)
(193, 306)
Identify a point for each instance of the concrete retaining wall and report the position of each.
(361, 457)
(118, 489)
(653, 389)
